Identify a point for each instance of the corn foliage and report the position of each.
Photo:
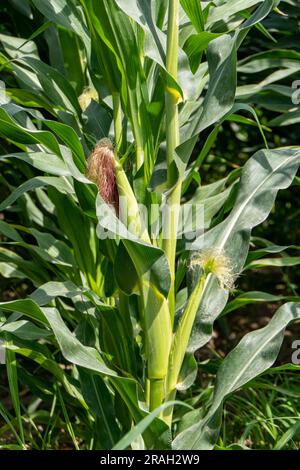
(126, 305)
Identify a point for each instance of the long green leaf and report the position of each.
(262, 176)
(255, 353)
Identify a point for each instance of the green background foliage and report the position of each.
(93, 328)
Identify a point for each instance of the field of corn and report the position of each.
(149, 225)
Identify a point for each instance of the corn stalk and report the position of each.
(172, 138)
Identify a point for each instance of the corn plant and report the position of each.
(102, 155)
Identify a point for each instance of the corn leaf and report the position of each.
(255, 353)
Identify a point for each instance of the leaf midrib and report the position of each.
(245, 203)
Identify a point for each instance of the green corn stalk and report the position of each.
(117, 110)
(155, 310)
(172, 137)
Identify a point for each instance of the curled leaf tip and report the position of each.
(86, 97)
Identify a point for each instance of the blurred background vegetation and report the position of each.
(269, 63)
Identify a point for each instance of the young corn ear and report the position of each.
(107, 172)
(104, 168)
(208, 262)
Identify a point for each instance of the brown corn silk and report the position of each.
(101, 170)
